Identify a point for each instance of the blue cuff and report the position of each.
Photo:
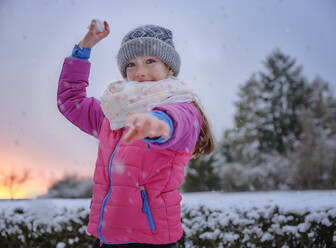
(164, 117)
(81, 53)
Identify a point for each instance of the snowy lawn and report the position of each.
(210, 219)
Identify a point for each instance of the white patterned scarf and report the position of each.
(124, 98)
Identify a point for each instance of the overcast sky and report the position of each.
(221, 43)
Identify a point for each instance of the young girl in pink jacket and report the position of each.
(149, 126)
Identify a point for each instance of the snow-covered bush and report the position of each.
(266, 172)
(70, 186)
(42, 224)
(253, 227)
(273, 219)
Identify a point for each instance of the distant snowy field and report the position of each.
(287, 201)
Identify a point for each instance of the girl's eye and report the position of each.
(149, 61)
(129, 65)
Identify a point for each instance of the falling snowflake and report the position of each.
(144, 175)
(119, 167)
(195, 123)
(61, 107)
(130, 200)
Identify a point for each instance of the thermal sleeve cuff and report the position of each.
(81, 53)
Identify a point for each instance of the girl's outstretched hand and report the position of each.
(93, 36)
(139, 126)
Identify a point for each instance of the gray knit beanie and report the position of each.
(149, 40)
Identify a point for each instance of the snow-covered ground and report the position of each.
(289, 200)
(286, 200)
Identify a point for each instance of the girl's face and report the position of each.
(146, 68)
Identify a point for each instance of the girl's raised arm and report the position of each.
(72, 101)
(84, 112)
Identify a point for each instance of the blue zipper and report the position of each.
(146, 209)
(107, 196)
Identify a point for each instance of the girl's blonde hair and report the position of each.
(205, 144)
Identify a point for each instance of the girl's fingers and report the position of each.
(130, 128)
(144, 125)
(131, 121)
(107, 27)
(103, 34)
(139, 122)
(130, 136)
(164, 129)
(92, 25)
(154, 128)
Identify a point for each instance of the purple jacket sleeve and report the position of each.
(187, 125)
(72, 102)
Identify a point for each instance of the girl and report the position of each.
(148, 126)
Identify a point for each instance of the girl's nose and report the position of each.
(140, 73)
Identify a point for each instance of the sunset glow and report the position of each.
(40, 177)
(17, 194)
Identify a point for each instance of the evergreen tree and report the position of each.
(285, 132)
(316, 154)
(283, 94)
(202, 175)
(267, 111)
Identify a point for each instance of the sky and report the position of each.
(221, 44)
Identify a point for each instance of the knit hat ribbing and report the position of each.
(149, 40)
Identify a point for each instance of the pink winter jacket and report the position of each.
(135, 194)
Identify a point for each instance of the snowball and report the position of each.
(99, 25)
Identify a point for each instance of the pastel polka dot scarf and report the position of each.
(124, 98)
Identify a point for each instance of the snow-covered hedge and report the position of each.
(39, 223)
(269, 227)
(270, 219)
